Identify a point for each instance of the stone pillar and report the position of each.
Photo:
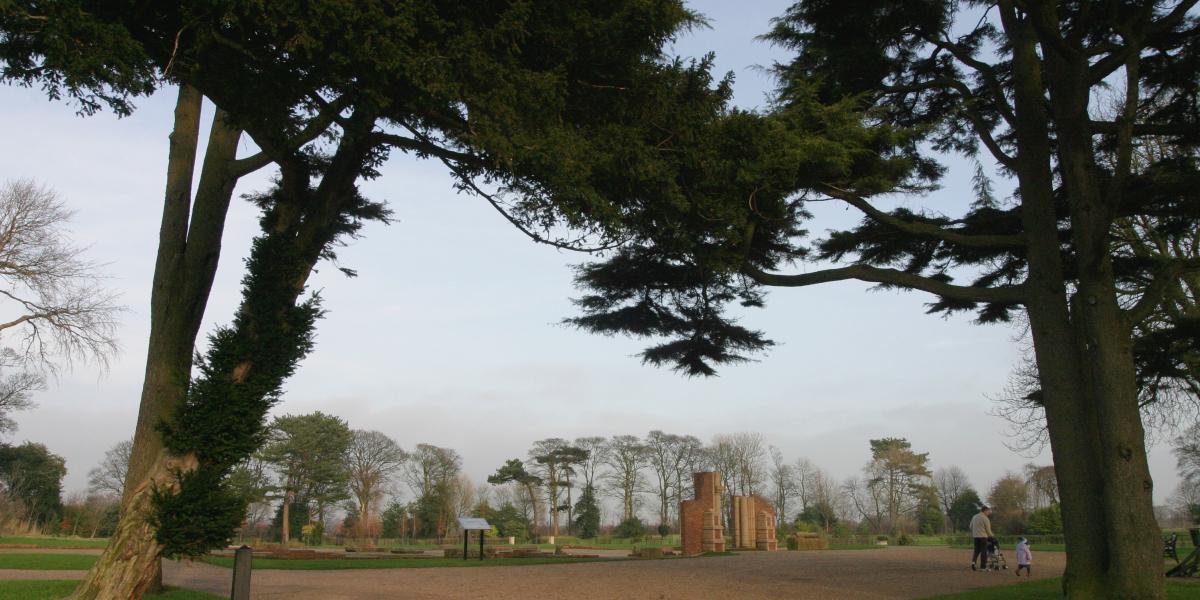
(700, 519)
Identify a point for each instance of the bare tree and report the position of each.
(372, 460)
(950, 483)
(783, 478)
(866, 503)
(1043, 485)
(626, 459)
(662, 453)
(15, 392)
(431, 473)
(466, 495)
(597, 449)
(54, 309)
(109, 476)
(688, 459)
(804, 474)
(721, 456)
(749, 452)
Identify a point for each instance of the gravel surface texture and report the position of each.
(850, 574)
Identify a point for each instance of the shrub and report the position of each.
(1045, 521)
(841, 530)
(631, 528)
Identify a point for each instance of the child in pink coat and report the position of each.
(1024, 557)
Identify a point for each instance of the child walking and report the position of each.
(1024, 557)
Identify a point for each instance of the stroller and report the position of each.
(995, 558)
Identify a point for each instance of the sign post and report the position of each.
(241, 573)
(469, 524)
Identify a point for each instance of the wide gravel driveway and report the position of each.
(898, 572)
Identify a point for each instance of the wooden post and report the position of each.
(466, 534)
(241, 574)
(480, 544)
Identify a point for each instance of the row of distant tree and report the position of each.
(316, 476)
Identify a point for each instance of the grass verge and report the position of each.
(1051, 589)
(399, 563)
(47, 562)
(53, 542)
(50, 589)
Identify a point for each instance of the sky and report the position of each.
(450, 335)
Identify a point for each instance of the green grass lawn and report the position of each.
(1008, 549)
(47, 562)
(52, 542)
(1051, 589)
(854, 547)
(53, 588)
(399, 563)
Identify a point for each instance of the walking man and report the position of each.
(981, 532)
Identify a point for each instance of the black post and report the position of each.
(480, 544)
(241, 574)
(466, 534)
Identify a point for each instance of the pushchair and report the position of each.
(995, 558)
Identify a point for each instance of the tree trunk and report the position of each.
(285, 527)
(183, 273)
(135, 569)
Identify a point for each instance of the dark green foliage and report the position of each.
(222, 420)
(631, 529)
(298, 517)
(513, 471)
(930, 519)
(686, 259)
(430, 510)
(565, 107)
(392, 519)
(92, 61)
(200, 516)
(964, 508)
(587, 514)
(1045, 521)
(31, 474)
(860, 106)
(309, 451)
(510, 522)
(820, 514)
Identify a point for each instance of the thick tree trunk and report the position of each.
(1082, 347)
(134, 569)
(184, 269)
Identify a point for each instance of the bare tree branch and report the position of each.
(1005, 294)
(924, 229)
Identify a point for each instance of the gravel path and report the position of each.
(849, 574)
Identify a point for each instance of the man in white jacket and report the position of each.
(981, 532)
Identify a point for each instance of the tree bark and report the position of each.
(188, 252)
(285, 526)
(1082, 345)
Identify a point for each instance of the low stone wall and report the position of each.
(810, 541)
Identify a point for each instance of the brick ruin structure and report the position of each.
(700, 519)
(753, 524)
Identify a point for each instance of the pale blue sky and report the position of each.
(449, 334)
